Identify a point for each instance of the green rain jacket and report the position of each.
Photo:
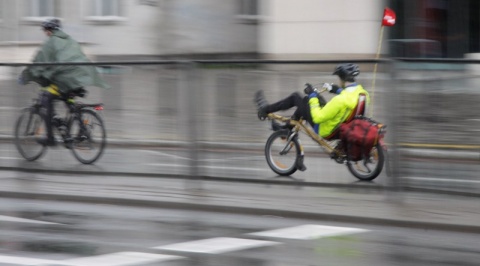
(337, 110)
(60, 47)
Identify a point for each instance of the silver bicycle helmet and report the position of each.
(347, 72)
(51, 24)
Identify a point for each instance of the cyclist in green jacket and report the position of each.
(58, 80)
(324, 117)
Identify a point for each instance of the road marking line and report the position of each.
(10, 107)
(118, 259)
(22, 220)
(232, 168)
(168, 155)
(217, 245)
(24, 261)
(249, 158)
(207, 166)
(450, 180)
(10, 158)
(309, 231)
(205, 160)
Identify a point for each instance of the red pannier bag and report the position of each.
(359, 136)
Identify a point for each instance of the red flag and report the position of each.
(389, 17)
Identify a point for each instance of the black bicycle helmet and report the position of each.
(51, 24)
(347, 72)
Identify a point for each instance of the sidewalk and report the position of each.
(361, 204)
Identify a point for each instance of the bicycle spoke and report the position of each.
(28, 129)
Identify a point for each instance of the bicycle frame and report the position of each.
(299, 126)
(72, 113)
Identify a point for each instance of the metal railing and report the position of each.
(428, 105)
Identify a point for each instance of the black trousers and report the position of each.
(296, 100)
(47, 102)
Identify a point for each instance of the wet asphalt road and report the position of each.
(56, 233)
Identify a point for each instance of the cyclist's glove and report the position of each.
(332, 88)
(310, 90)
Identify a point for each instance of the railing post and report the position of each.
(187, 114)
(394, 114)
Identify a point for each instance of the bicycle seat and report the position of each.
(78, 92)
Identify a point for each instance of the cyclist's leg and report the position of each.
(47, 102)
(303, 111)
(294, 99)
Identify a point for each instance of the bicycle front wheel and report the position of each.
(29, 128)
(88, 137)
(282, 155)
(369, 168)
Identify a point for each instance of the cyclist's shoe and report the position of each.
(300, 165)
(262, 115)
(277, 126)
(68, 143)
(261, 104)
(47, 142)
(339, 146)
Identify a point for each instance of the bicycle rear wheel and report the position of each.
(29, 128)
(282, 156)
(88, 137)
(368, 169)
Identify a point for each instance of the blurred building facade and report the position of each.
(244, 28)
(273, 29)
(436, 28)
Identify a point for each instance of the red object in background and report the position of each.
(389, 17)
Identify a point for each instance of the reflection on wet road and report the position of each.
(55, 233)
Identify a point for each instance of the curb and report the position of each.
(426, 225)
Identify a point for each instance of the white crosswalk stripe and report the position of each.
(21, 220)
(113, 259)
(118, 259)
(309, 231)
(11, 260)
(217, 245)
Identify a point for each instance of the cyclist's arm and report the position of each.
(45, 55)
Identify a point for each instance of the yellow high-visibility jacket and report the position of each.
(337, 110)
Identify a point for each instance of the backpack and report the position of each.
(359, 136)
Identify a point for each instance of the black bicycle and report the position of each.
(81, 129)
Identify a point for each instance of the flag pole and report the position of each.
(389, 18)
(379, 48)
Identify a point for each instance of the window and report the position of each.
(106, 8)
(248, 8)
(105, 11)
(2, 8)
(41, 8)
(248, 11)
